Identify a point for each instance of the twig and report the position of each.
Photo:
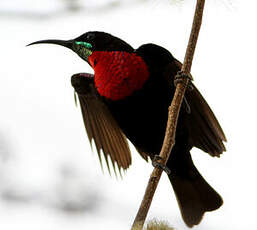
(174, 109)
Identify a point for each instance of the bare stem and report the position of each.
(174, 109)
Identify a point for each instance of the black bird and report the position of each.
(128, 97)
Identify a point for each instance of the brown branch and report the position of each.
(174, 109)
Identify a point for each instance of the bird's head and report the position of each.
(89, 42)
(118, 69)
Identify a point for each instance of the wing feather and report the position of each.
(100, 124)
(204, 128)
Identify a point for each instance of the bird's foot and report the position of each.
(157, 164)
(179, 78)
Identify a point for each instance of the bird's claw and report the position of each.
(157, 164)
(179, 78)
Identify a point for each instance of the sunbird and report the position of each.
(128, 97)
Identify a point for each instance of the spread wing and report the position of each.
(100, 125)
(204, 128)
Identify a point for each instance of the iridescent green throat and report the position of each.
(83, 49)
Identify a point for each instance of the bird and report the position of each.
(127, 98)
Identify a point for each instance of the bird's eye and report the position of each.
(90, 36)
(86, 44)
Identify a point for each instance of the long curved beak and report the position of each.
(67, 43)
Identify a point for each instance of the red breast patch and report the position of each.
(118, 73)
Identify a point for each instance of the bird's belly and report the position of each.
(143, 120)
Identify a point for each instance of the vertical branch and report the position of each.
(174, 109)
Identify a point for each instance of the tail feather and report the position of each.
(194, 195)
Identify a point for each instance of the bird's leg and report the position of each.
(188, 109)
(157, 164)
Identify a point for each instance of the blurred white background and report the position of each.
(49, 177)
